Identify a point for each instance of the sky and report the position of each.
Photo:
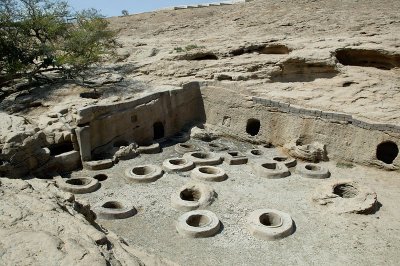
(114, 7)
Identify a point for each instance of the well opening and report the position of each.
(198, 220)
(189, 194)
(100, 177)
(253, 126)
(201, 155)
(280, 159)
(271, 166)
(312, 167)
(112, 205)
(270, 219)
(209, 170)
(345, 191)
(142, 170)
(234, 153)
(387, 152)
(177, 161)
(257, 152)
(77, 182)
(187, 146)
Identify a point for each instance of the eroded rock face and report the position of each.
(126, 152)
(346, 196)
(20, 146)
(313, 152)
(40, 225)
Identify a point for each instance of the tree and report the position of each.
(37, 36)
(125, 12)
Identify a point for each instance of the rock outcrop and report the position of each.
(40, 225)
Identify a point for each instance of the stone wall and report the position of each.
(134, 120)
(288, 108)
(345, 137)
(222, 3)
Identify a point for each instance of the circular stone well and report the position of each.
(177, 165)
(114, 209)
(312, 170)
(143, 173)
(203, 158)
(215, 146)
(270, 169)
(101, 177)
(192, 196)
(345, 190)
(197, 224)
(256, 152)
(209, 173)
(183, 148)
(346, 196)
(289, 162)
(80, 185)
(269, 224)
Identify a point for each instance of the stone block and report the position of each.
(98, 165)
(68, 161)
(83, 137)
(235, 158)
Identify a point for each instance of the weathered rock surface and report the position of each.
(313, 152)
(39, 225)
(332, 56)
(346, 196)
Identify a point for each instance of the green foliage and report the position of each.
(193, 46)
(43, 35)
(178, 49)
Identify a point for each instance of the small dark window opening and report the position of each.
(253, 126)
(387, 151)
(158, 129)
(57, 149)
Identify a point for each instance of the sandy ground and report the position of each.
(321, 237)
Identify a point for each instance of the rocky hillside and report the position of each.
(333, 55)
